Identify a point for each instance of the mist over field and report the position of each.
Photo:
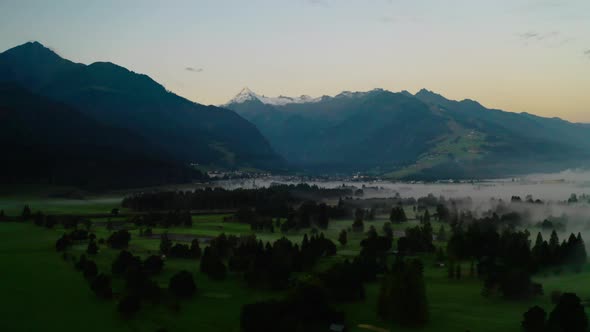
(551, 192)
(547, 187)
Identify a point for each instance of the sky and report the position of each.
(517, 55)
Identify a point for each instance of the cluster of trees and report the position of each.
(271, 266)
(552, 253)
(119, 239)
(307, 214)
(375, 245)
(272, 201)
(504, 259)
(100, 283)
(416, 239)
(50, 221)
(398, 214)
(528, 199)
(402, 296)
(68, 239)
(212, 263)
(179, 250)
(553, 223)
(139, 285)
(136, 273)
(568, 315)
(311, 214)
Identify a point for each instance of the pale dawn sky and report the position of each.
(517, 55)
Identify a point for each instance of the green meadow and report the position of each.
(42, 291)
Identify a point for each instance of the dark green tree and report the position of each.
(343, 237)
(568, 315)
(534, 320)
(182, 284)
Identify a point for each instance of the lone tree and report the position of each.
(153, 265)
(534, 320)
(568, 315)
(343, 237)
(182, 284)
(119, 239)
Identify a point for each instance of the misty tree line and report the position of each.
(272, 201)
(505, 258)
(307, 214)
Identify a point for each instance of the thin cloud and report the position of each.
(587, 53)
(549, 39)
(529, 35)
(534, 35)
(194, 70)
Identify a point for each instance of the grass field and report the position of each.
(43, 292)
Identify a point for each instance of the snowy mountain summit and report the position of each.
(248, 95)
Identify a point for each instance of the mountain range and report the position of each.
(412, 136)
(171, 128)
(102, 124)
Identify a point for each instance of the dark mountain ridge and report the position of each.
(44, 141)
(110, 94)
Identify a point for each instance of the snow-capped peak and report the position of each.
(244, 95)
(247, 94)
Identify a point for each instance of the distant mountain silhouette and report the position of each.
(110, 94)
(421, 136)
(43, 141)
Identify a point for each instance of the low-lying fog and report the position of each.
(547, 187)
(479, 197)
